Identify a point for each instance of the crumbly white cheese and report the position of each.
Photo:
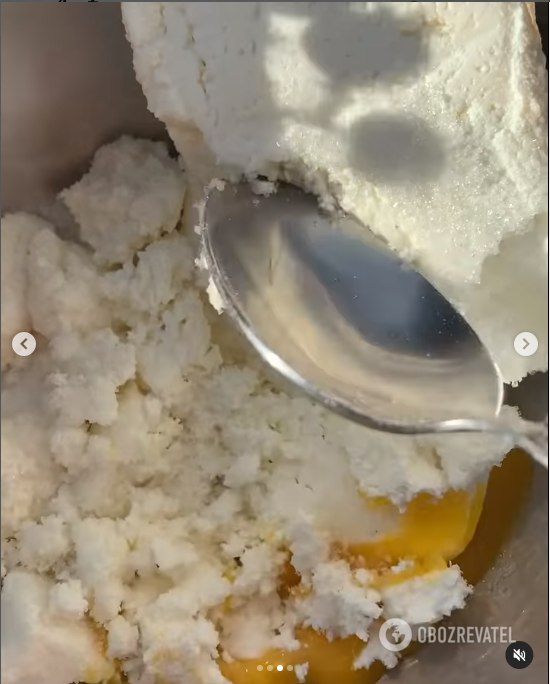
(30, 477)
(64, 292)
(301, 671)
(418, 599)
(114, 204)
(38, 646)
(374, 650)
(428, 121)
(67, 599)
(339, 605)
(214, 296)
(123, 638)
(43, 545)
(153, 475)
(258, 625)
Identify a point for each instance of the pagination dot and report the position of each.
(289, 668)
(269, 668)
(279, 667)
(260, 668)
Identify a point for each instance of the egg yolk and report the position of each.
(431, 532)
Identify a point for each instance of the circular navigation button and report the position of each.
(23, 344)
(526, 344)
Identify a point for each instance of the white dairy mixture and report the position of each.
(143, 448)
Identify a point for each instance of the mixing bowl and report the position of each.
(67, 87)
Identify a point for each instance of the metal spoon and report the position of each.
(335, 311)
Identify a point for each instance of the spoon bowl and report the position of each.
(332, 308)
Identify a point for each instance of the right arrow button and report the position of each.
(526, 344)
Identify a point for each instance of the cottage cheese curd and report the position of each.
(163, 499)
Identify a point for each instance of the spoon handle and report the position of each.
(531, 437)
(535, 443)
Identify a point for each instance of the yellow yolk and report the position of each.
(431, 532)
